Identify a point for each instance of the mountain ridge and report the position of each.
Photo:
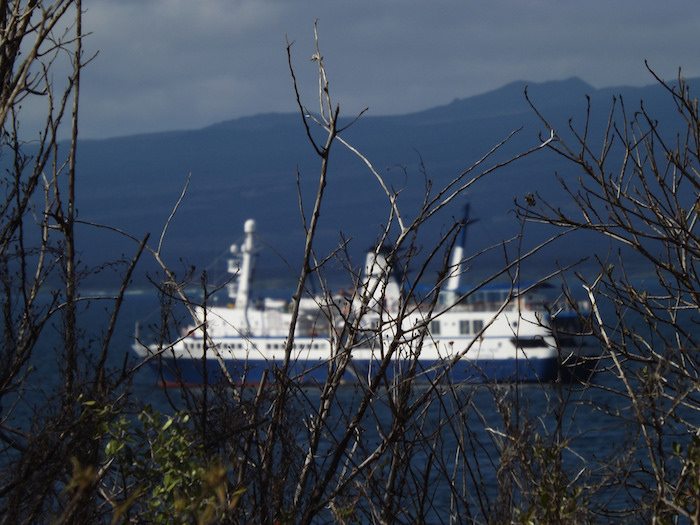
(248, 167)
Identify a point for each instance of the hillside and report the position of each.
(247, 168)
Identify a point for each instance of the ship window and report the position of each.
(529, 342)
(464, 326)
(478, 325)
(435, 327)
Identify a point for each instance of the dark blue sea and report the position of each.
(595, 423)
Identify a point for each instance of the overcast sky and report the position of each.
(183, 64)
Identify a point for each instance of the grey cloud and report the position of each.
(180, 64)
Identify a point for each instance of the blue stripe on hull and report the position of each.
(466, 371)
(190, 371)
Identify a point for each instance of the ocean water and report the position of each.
(595, 423)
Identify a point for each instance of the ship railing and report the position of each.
(487, 306)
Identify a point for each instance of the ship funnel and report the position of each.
(457, 257)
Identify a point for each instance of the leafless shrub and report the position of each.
(47, 435)
(639, 188)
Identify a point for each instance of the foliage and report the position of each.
(163, 474)
(687, 492)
